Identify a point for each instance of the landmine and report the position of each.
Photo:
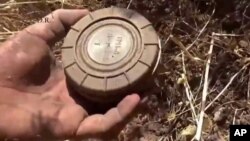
(110, 53)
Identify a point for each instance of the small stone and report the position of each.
(167, 10)
(154, 126)
(243, 43)
(214, 137)
(220, 115)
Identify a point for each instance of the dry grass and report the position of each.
(204, 73)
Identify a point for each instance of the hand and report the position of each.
(34, 98)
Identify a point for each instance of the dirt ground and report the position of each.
(205, 54)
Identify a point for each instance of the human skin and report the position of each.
(34, 98)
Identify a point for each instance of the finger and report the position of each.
(98, 125)
(57, 25)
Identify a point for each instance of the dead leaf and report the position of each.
(170, 117)
(190, 130)
(207, 124)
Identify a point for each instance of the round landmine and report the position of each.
(110, 53)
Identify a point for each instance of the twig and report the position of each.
(189, 25)
(248, 86)
(27, 2)
(235, 112)
(187, 88)
(6, 29)
(19, 3)
(172, 27)
(204, 93)
(232, 35)
(62, 3)
(183, 112)
(200, 85)
(182, 47)
(244, 13)
(201, 31)
(130, 2)
(8, 33)
(225, 88)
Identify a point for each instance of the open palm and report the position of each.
(34, 98)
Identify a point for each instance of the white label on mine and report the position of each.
(109, 44)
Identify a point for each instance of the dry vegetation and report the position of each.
(205, 54)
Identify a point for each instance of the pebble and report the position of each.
(243, 43)
(220, 115)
